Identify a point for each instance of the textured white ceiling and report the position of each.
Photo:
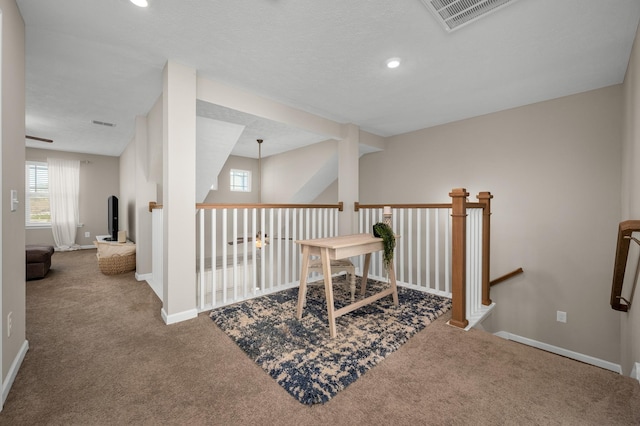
(102, 60)
(277, 137)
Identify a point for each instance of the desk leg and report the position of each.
(302, 290)
(365, 273)
(328, 290)
(394, 287)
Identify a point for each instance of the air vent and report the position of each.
(103, 123)
(453, 14)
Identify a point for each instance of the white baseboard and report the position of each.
(475, 320)
(561, 351)
(13, 371)
(155, 286)
(87, 247)
(179, 317)
(635, 371)
(143, 277)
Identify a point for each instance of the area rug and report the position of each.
(302, 357)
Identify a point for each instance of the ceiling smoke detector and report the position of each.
(453, 14)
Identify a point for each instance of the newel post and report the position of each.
(485, 198)
(458, 257)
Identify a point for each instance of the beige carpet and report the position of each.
(101, 355)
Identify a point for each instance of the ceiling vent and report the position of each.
(453, 14)
(103, 123)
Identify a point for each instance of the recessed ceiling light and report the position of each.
(140, 3)
(393, 63)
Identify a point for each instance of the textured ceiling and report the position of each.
(102, 60)
(277, 137)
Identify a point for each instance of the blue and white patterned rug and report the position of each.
(302, 357)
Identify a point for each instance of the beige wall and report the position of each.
(146, 191)
(290, 175)
(223, 194)
(329, 195)
(12, 88)
(148, 181)
(554, 169)
(99, 178)
(127, 199)
(154, 147)
(136, 191)
(630, 321)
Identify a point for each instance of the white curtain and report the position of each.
(64, 184)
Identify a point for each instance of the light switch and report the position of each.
(14, 200)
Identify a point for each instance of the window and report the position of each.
(240, 180)
(37, 209)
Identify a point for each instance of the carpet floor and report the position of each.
(100, 354)
(300, 354)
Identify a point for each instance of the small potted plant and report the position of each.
(384, 231)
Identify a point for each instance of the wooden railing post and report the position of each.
(485, 198)
(458, 257)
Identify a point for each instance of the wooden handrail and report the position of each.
(459, 205)
(506, 276)
(154, 205)
(357, 206)
(625, 229)
(211, 206)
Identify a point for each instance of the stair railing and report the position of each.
(444, 249)
(625, 231)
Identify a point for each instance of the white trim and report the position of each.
(155, 286)
(475, 320)
(635, 371)
(179, 317)
(13, 371)
(561, 351)
(143, 277)
(37, 226)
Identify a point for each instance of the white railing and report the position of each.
(245, 251)
(252, 248)
(422, 259)
(475, 310)
(423, 253)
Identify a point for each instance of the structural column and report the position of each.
(145, 191)
(459, 257)
(348, 182)
(178, 191)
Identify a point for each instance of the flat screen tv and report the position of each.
(112, 224)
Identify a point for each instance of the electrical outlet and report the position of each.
(561, 316)
(87, 234)
(9, 323)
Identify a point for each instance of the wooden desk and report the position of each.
(339, 248)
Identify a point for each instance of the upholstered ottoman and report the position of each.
(38, 261)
